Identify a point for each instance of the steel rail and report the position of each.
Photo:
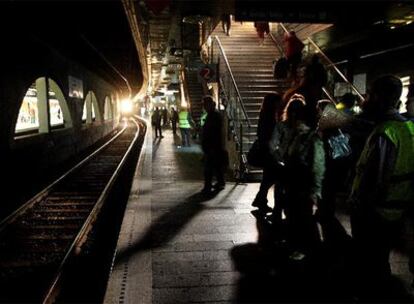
(39, 196)
(91, 218)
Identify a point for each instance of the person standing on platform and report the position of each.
(164, 116)
(185, 123)
(383, 187)
(304, 174)
(174, 120)
(156, 122)
(212, 143)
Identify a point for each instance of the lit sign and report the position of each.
(207, 72)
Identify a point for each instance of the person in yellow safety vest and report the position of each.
(185, 124)
(383, 187)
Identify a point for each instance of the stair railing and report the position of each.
(329, 65)
(239, 122)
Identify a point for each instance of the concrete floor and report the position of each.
(178, 246)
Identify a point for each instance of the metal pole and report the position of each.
(241, 150)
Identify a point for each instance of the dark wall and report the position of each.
(89, 40)
(22, 63)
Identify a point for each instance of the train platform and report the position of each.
(179, 246)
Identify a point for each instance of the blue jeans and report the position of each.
(185, 136)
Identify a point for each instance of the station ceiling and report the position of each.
(97, 33)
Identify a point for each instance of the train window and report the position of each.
(84, 112)
(28, 118)
(33, 114)
(108, 108)
(58, 108)
(406, 82)
(90, 109)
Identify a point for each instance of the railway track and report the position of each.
(39, 239)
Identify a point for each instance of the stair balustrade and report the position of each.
(333, 71)
(239, 122)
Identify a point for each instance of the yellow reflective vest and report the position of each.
(183, 121)
(400, 190)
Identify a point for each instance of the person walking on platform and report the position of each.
(156, 122)
(383, 187)
(212, 143)
(268, 118)
(174, 120)
(185, 123)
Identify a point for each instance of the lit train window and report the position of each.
(55, 97)
(108, 109)
(84, 112)
(33, 115)
(28, 118)
(406, 82)
(90, 109)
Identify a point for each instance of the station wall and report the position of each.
(22, 63)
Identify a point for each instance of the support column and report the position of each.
(43, 105)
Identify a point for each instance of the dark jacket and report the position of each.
(212, 133)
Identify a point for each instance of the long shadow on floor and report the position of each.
(269, 276)
(166, 227)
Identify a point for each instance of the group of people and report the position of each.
(159, 119)
(212, 140)
(377, 175)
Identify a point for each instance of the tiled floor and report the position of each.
(177, 246)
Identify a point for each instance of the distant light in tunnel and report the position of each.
(126, 106)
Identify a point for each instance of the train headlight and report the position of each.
(126, 106)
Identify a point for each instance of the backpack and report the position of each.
(280, 68)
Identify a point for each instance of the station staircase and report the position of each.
(251, 65)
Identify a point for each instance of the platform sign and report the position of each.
(207, 73)
(75, 87)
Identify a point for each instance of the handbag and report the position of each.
(339, 146)
(256, 155)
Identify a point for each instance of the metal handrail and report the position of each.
(223, 53)
(335, 68)
(330, 63)
(185, 89)
(279, 48)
